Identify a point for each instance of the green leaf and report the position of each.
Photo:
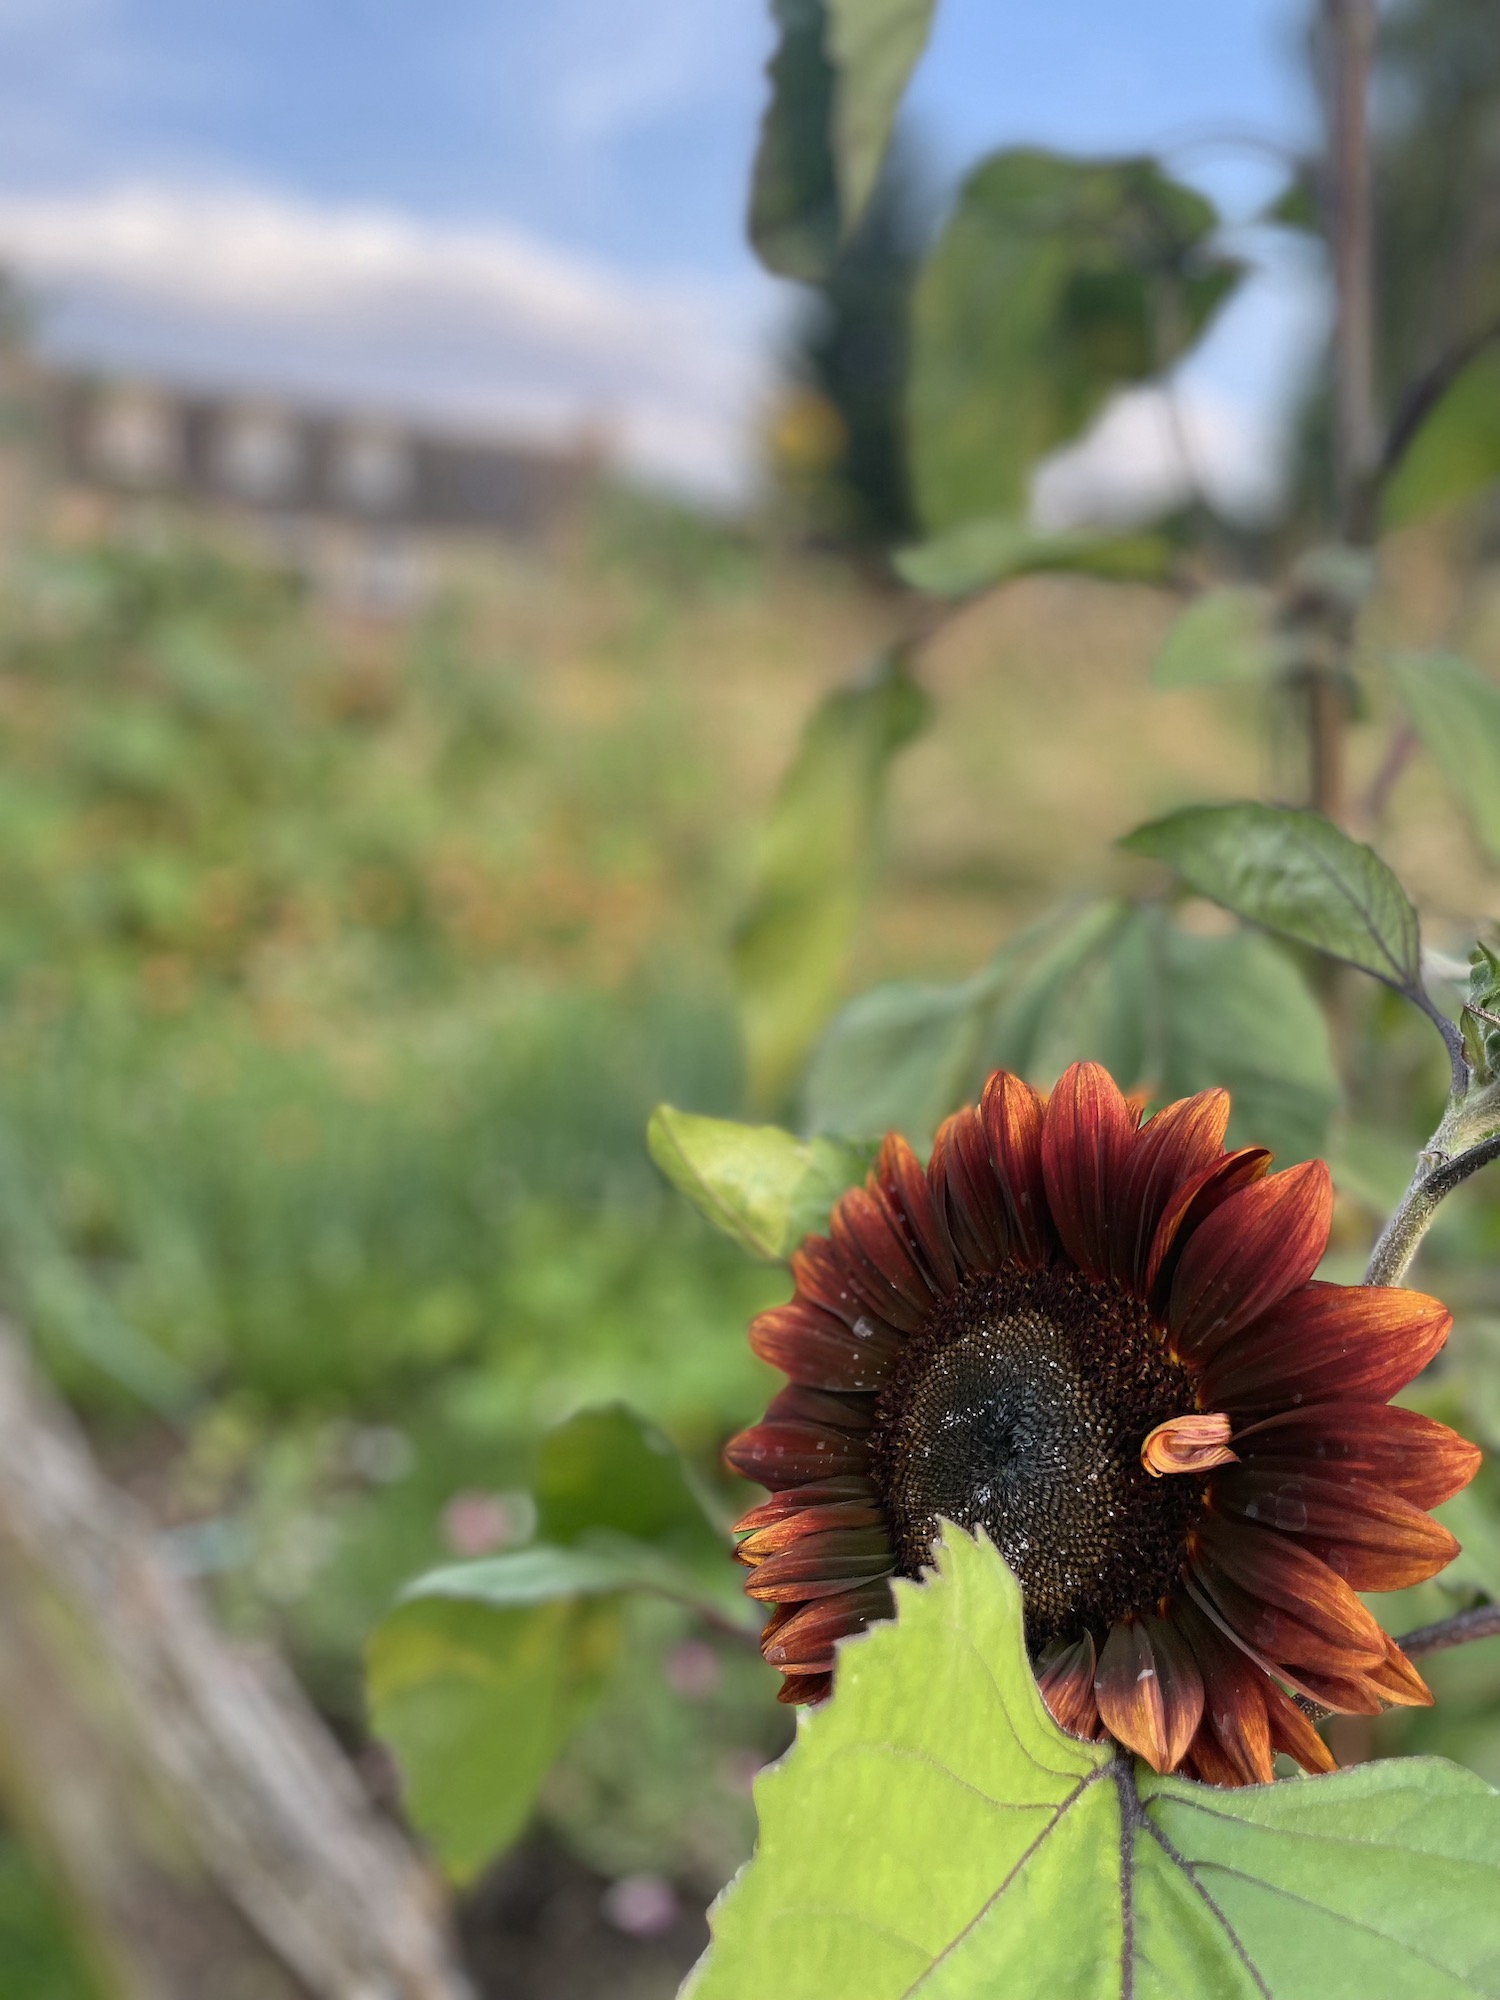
(875, 45)
(1162, 1009)
(610, 1470)
(1456, 711)
(1296, 874)
(1055, 282)
(934, 1831)
(794, 204)
(816, 864)
(757, 1183)
(1224, 635)
(476, 1701)
(1456, 452)
(976, 554)
(837, 77)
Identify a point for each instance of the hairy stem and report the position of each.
(1438, 1174)
(1481, 1623)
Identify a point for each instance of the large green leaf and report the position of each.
(760, 1185)
(874, 45)
(1457, 715)
(815, 869)
(484, 1669)
(1055, 282)
(1456, 452)
(1296, 874)
(837, 76)
(476, 1701)
(1163, 1009)
(977, 554)
(933, 1831)
(1224, 635)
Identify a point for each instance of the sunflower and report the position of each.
(1101, 1342)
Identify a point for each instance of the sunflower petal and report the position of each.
(794, 1525)
(825, 1279)
(802, 1688)
(792, 1501)
(1173, 1149)
(792, 1454)
(1011, 1113)
(815, 1348)
(1067, 1687)
(1234, 1706)
(797, 1404)
(1087, 1136)
(1355, 1343)
(1263, 1242)
(1292, 1733)
(822, 1564)
(909, 1196)
(872, 1242)
(964, 1182)
(1373, 1539)
(1288, 1604)
(804, 1642)
(1149, 1690)
(1191, 1204)
(1400, 1449)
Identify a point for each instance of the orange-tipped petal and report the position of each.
(793, 1500)
(804, 1642)
(1196, 1442)
(1149, 1690)
(1067, 1687)
(1011, 1113)
(1087, 1136)
(822, 1565)
(1262, 1243)
(965, 1184)
(1292, 1733)
(794, 1524)
(1234, 1734)
(1290, 1606)
(1355, 1343)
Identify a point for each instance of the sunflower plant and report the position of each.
(1110, 1514)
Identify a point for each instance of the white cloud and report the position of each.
(486, 326)
(1153, 449)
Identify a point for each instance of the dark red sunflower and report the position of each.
(1102, 1343)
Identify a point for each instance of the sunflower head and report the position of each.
(1101, 1342)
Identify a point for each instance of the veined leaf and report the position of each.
(837, 77)
(977, 554)
(933, 1831)
(757, 1183)
(1456, 711)
(1296, 874)
(816, 864)
(1162, 1009)
(610, 1470)
(1055, 282)
(1224, 635)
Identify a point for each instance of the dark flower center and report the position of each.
(1021, 1409)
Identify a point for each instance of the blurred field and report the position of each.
(340, 965)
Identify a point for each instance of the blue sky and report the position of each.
(590, 143)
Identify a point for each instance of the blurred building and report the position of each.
(364, 504)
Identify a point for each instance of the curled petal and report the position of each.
(1262, 1243)
(1149, 1690)
(1067, 1687)
(1400, 1449)
(804, 1642)
(1180, 1143)
(1087, 1135)
(1356, 1343)
(908, 1194)
(777, 1455)
(1196, 1442)
(823, 1352)
(1011, 1113)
